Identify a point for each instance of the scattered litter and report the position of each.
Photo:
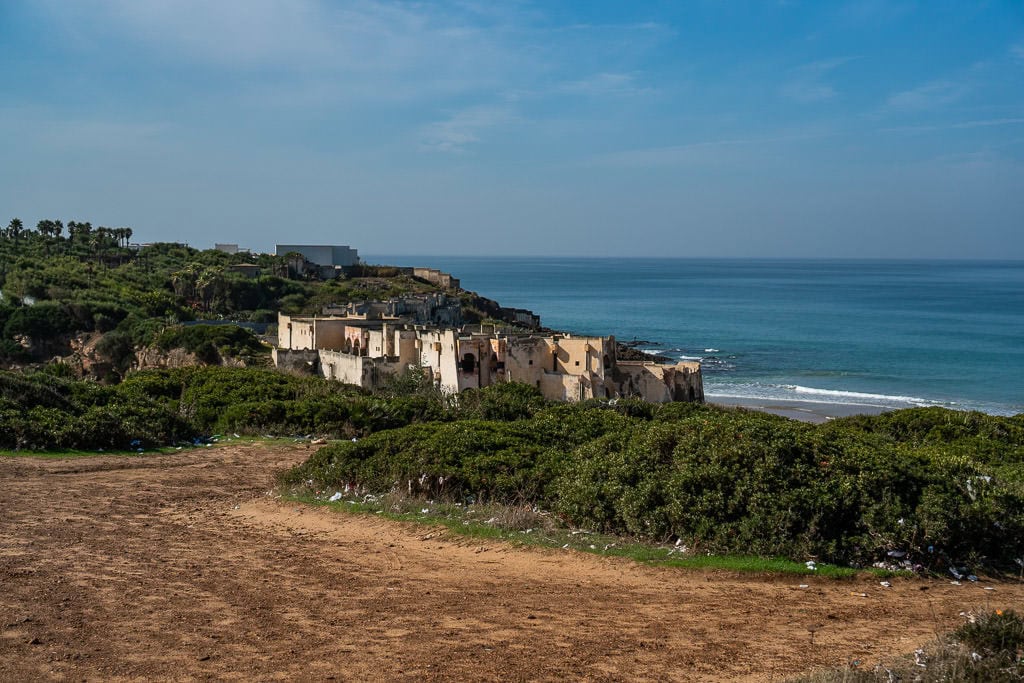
(956, 574)
(919, 659)
(803, 585)
(858, 595)
(336, 496)
(972, 578)
(593, 547)
(424, 511)
(954, 583)
(811, 565)
(564, 547)
(318, 442)
(989, 588)
(885, 584)
(898, 554)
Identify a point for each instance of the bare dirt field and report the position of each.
(181, 567)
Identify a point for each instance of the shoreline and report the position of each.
(805, 411)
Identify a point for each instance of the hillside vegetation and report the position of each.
(61, 281)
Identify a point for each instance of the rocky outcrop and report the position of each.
(151, 357)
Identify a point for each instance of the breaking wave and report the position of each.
(796, 392)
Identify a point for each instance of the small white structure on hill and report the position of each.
(322, 254)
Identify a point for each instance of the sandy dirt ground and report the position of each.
(182, 567)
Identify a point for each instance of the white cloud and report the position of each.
(705, 153)
(927, 96)
(807, 83)
(393, 44)
(463, 128)
(983, 123)
(604, 84)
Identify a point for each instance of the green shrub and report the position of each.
(723, 480)
(211, 342)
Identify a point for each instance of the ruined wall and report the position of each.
(302, 361)
(439, 351)
(363, 371)
(660, 383)
(436, 277)
(407, 346)
(328, 334)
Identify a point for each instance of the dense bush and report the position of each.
(725, 481)
(44, 411)
(211, 343)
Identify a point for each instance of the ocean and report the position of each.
(882, 334)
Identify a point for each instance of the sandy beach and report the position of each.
(806, 411)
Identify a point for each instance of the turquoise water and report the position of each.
(881, 333)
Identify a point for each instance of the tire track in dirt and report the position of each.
(181, 566)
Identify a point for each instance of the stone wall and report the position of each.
(659, 383)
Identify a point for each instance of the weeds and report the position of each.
(989, 647)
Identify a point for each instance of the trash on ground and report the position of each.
(336, 496)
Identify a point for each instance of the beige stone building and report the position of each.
(366, 351)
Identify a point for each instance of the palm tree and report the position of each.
(15, 228)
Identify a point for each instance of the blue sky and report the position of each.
(871, 128)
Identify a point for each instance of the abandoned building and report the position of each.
(367, 345)
(436, 308)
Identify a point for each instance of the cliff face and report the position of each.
(87, 359)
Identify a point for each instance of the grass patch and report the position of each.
(217, 441)
(526, 526)
(73, 453)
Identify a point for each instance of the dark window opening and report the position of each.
(468, 363)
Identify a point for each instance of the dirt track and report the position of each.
(173, 567)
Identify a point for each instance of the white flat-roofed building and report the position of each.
(322, 254)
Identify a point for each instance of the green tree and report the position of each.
(15, 228)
